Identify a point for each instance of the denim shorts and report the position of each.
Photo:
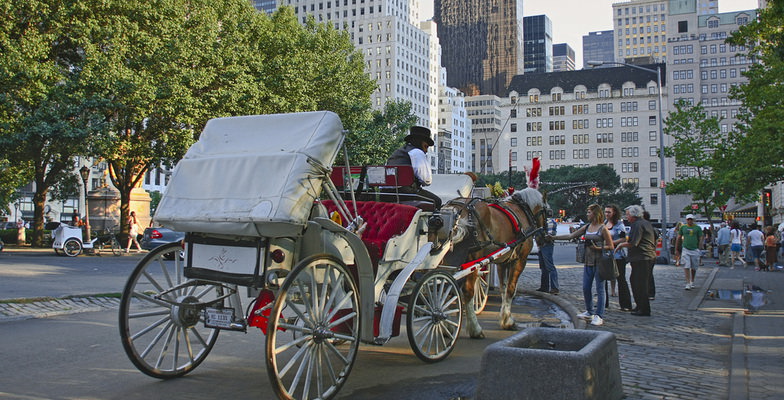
(735, 247)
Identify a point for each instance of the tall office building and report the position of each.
(484, 111)
(538, 44)
(482, 43)
(398, 53)
(598, 46)
(268, 6)
(640, 29)
(563, 57)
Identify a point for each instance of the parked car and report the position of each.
(154, 237)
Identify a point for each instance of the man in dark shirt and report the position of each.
(641, 243)
(414, 153)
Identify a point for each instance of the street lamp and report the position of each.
(657, 71)
(85, 173)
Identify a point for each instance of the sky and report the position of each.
(572, 19)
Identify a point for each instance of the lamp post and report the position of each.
(663, 199)
(85, 173)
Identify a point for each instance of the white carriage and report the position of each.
(255, 195)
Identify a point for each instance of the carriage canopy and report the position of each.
(252, 175)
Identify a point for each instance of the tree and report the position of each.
(756, 145)
(568, 189)
(518, 179)
(46, 119)
(11, 178)
(699, 145)
(375, 138)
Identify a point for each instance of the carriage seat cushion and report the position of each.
(384, 221)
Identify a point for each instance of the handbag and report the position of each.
(607, 269)
(580, 256)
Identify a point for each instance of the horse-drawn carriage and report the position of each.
(325, 264)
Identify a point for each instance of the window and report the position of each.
(654, 166)
(654, 199)
(513, 127)
(683, 26)
(513, 113)
(652, 135)
(654, 182)
(651, 104)
(652, 120)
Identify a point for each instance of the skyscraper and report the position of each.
(482, 43)
(538, 44)
(598, 46)
(563, 57)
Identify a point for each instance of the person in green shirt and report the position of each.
(690, 237)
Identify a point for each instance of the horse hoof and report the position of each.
(481, 335)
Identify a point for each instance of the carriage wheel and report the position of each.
(481, 291)
(312, 346)
(164, 335)
(72, 247)
(435, 314)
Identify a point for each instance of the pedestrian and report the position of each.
(641, 245)
(614, 223)
(676, 247)
(755, 239)
(549, 279)
(76, 222)
(689, 237)
(133, 232)
(723, 242)
(771, 248)
(414, 153)
(651, 281)
(597, 238)
(736, 247)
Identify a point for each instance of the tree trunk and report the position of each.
(39, 202)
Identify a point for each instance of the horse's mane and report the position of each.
(530, 196)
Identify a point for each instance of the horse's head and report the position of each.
(538, 206)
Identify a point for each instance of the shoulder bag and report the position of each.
(581, 252)
(607, 269)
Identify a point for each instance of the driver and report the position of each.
(414, 153)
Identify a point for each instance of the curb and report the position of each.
(564, 304)
(739, 382)
(49, 308)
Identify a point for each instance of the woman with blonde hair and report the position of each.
(597, 238)
(133, 232)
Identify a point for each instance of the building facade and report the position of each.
(482, 43)
(563, 57)
(604, 116)
(454, 130)
(598, 46)
(538, 44)
(640, 28)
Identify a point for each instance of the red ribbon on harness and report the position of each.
(509, 215)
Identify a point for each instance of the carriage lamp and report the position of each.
(278, 256)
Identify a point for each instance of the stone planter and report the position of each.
(550, 363)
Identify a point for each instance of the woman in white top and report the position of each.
(133, 232)
(736, 240)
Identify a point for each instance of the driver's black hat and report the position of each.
(419, 133)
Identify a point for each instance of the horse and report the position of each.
(486, 227)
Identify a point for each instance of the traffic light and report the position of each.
(766, 198)
(562, 213)
(594, 191)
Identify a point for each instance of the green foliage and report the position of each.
(155, 199)
(375, 138)
(568, 188)
(518, 181)
(757, 145)
(67, 187)
(11, 178)
(699, 144)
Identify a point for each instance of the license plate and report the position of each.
(218, 317)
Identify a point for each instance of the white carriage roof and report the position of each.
(252, 175)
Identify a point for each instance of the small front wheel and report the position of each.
(72, 247)
(481, 289)
(435, 314)
(313, 342)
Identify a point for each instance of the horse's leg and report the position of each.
(513, 270)
(472, 324)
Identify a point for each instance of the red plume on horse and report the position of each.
(499, 232)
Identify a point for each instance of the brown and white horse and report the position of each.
(488, 227)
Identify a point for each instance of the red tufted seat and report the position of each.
(384, 221)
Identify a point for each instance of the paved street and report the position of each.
(693, 347)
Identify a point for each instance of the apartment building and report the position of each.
(640, 28)
(585, 118)
(454, 130)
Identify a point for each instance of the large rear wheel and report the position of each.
(72, 247)
(313, 343)
(161, 317)
(435, 314)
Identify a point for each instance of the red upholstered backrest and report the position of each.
(376, 175)
(384, 221)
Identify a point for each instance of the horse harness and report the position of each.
(521, 235)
